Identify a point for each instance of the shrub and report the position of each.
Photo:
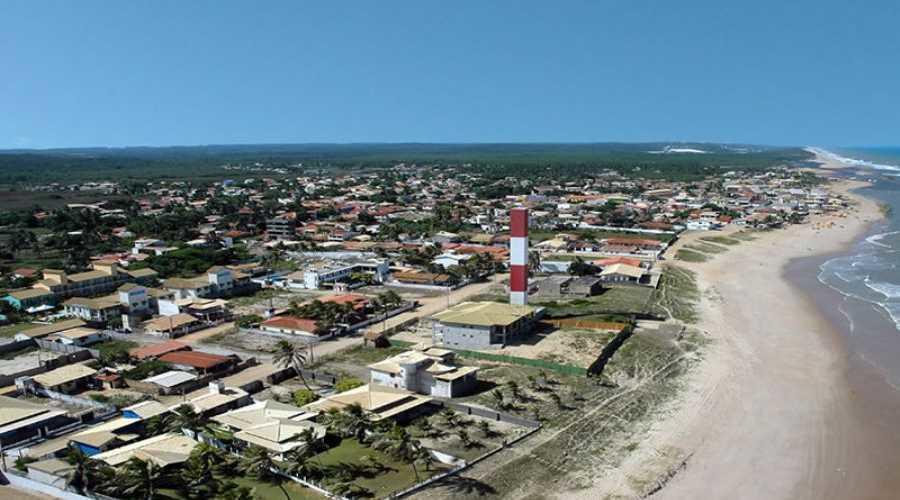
(248, 320)
(347, 383)
(305, 397)
(147, 369)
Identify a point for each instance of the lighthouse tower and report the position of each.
(518, 256)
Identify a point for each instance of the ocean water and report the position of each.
(867, 277)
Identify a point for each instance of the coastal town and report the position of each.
(381, 333)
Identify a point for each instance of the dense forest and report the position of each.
(20, 167)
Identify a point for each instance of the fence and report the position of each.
(100, 409)
(63, 348)
(535, 426)
(17, 345)
(286, 373)
(487, 413)
(535, 363)
(383, 317)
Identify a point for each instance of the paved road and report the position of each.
(432, 305)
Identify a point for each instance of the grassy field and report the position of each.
(13, 329)
(18, 200)
(259, 296)
(690, 255)
(616, 300)
(395, 475)
(722, 240)
(678, 294)
(360, 355)
(706, 247)
(278, 490)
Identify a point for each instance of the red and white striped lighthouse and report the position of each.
(518, 256)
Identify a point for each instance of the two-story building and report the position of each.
(430, 371)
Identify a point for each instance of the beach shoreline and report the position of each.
(777, 408)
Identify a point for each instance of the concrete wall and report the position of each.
(24, 484)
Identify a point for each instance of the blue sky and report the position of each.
(85, 73)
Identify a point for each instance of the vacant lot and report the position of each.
(617, 300)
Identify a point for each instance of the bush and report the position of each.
(305, 397)
(115, 351)
(147, 369)
(248, 320)
(347, 383)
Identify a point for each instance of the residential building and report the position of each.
(217, 281)
(557, 287)
(164, 450)
(39, 332)
(294, 326)
(219, 399)
(378, 401)
(68, 379)
(32, 300)
(428, 371)
(275, 426)
(483, 325)
(152, 351)
(22, 420)
(199, 362)
(281, 228)
(105, 277)
(330, 273)
(172, 381)
(173, 326)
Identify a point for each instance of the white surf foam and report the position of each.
(854, 162)
(875, 239)
(889, 290)
(893, 310)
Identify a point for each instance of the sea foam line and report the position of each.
(853, 162)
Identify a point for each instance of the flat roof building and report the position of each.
(483, 325)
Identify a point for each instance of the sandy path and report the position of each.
(769, 414)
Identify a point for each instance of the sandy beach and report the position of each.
(770, 413)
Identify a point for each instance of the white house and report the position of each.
(428, 371)
(447, 260)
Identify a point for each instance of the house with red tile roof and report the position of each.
(198, 361)
(157, 350)
(293, 325)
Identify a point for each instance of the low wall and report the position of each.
(65, 359)
(486, 413)
(20, 482)
(17, 345)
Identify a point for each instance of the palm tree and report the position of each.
(300, 465)
(556, 400)
(451, 418)
(514, 390)
(258, 463)
(233, 491)
(400, 444)
(198, 474)
(463, 436)
(499, 398)
(141, 479)
(85, 474)
(185, 417)
(485, 428)
(288, 354)
(351, 421)
(425, 456)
